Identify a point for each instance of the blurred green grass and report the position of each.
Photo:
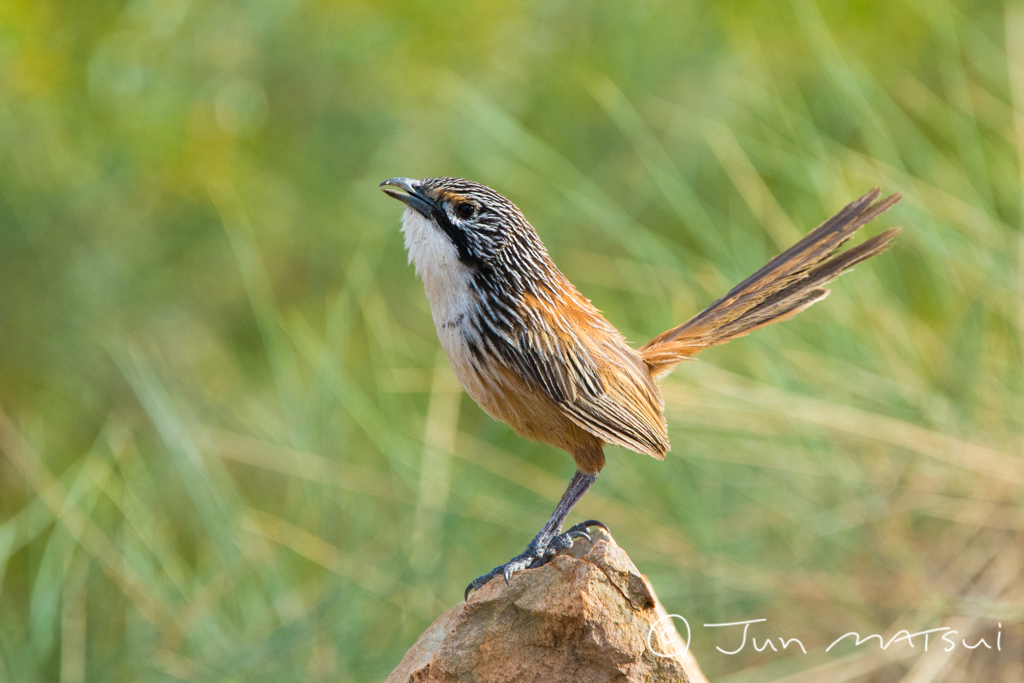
(232, 450)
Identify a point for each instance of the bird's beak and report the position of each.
(412, 196)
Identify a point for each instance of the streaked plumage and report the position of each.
(535, 353)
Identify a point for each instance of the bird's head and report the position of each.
(479, 223)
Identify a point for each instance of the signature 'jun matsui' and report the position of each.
(535, 353)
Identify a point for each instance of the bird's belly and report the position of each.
(471, 373)
(506, 397)
(498, 390)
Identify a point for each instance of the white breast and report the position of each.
(447, 283)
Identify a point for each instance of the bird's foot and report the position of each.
(537, 554)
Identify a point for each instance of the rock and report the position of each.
(584, 617)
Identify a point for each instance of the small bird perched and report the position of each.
(535, 353)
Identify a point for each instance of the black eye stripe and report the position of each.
(494, 235)
(458, 238)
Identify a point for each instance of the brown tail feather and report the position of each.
(786, 285)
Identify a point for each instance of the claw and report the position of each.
(510, 569)
(480, 581)
(585, 526)
(549, 541)
(537, 554)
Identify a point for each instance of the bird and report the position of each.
(533, 352)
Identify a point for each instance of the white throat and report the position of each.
(446, 279)
(447, 282)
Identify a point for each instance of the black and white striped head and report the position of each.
(483, 227)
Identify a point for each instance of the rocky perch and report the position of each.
(585, 616)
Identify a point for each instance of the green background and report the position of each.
(232, 450)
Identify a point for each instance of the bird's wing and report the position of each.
(575, 357)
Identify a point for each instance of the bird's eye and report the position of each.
(465, 210)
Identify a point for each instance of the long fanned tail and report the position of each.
(786, 285)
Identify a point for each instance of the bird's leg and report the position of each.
(550, 539)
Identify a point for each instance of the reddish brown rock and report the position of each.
(584, 617)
